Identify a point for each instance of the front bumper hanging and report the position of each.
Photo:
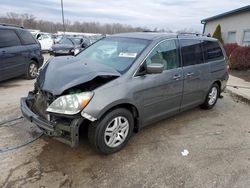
(55, 130)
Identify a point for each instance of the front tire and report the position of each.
(112, 132)
(32, 70)
(211, 97)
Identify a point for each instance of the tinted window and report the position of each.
(8, 38)
(212, 51)
(191, 52)
(26, 37)
(166, 54)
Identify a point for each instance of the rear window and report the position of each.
(26, 37)
(212, 51)
(66, 41)
(8, 38)
(191, 52)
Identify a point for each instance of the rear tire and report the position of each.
(32, 70)
(112, 132)
(212, 97)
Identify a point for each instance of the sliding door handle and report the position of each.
(176, 77)
(190, 74)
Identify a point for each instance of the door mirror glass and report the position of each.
(154, 68)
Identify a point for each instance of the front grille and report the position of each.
(41, 102)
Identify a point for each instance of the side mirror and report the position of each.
(154, 68)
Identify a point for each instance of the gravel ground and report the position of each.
(218, 142)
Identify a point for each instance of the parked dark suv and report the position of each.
(124, 82)
(20, 53)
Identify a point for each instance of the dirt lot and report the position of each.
(218, 142)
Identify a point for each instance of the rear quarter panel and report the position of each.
(219, 72)
(35, 53)
(219, 69)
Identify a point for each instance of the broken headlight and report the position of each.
(70, 104)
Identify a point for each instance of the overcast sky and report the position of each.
(168, 14)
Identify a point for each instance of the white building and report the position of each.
(235, 25)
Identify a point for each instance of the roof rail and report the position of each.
(11, 25)
(196, 34)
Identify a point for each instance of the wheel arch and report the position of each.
(34, 59)
(219, 84)
(129, 106)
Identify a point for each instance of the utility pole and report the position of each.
(63, 17)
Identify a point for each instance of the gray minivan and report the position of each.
(124, 82)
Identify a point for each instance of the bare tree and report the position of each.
(29, 21)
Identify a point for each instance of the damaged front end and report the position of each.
(61, 92)
(64, 129)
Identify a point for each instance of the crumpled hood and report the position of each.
(62, 73)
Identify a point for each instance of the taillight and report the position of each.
(228, 68)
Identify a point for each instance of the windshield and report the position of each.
(116, 52)
(65, 41)
(76, 41)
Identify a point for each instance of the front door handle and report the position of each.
(176, 77)
(190, 74)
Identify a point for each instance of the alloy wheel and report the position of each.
(213, 96)
(116, 132)
(33, 70)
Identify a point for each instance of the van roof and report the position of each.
(162, 35)
(146, 35)
(10, 26)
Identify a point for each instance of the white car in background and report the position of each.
(46, 41)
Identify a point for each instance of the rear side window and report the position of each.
(191, 52)
(8, 38)
(212, 51)
(26, 37)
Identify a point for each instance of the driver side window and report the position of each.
(166, 54)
